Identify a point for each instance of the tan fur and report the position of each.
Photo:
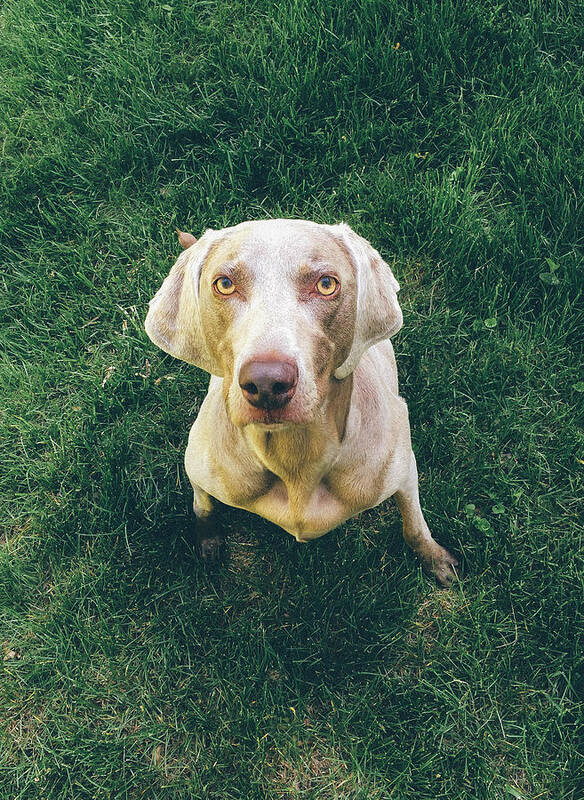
(342, 444)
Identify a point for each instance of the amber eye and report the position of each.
(327, 285)
(224, 285)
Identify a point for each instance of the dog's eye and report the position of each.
(327, 285)
(224, 285)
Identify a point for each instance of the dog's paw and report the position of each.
(440, 563)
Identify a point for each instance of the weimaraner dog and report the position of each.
(302, 423)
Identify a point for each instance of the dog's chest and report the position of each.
(292, 492)
(307, 502)
(308, 505)
(304, 512)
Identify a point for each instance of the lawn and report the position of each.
(448, 133)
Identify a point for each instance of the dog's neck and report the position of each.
(305, 451)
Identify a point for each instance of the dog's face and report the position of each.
(278, 308)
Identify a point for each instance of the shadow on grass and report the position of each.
(318, 613)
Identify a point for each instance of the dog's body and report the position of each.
(302, 423)
(310, 480)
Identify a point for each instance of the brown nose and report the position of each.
(268, 384)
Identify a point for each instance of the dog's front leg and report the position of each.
(435, 559)
(208, 530)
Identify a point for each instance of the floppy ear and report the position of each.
(174, 320)
(378, 313)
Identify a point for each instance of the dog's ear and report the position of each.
(186, 239)
(378, 315)
(173, 321)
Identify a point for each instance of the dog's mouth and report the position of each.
(291, 414)
(273, 417)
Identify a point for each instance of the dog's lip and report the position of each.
(275, 417)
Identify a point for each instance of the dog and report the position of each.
(302, 423)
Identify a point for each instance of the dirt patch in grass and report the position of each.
(317, 770)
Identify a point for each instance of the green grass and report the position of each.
(335, 669)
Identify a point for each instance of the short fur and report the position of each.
(342, 443)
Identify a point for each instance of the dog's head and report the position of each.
(278, 308)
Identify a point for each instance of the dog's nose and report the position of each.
(268, 384)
